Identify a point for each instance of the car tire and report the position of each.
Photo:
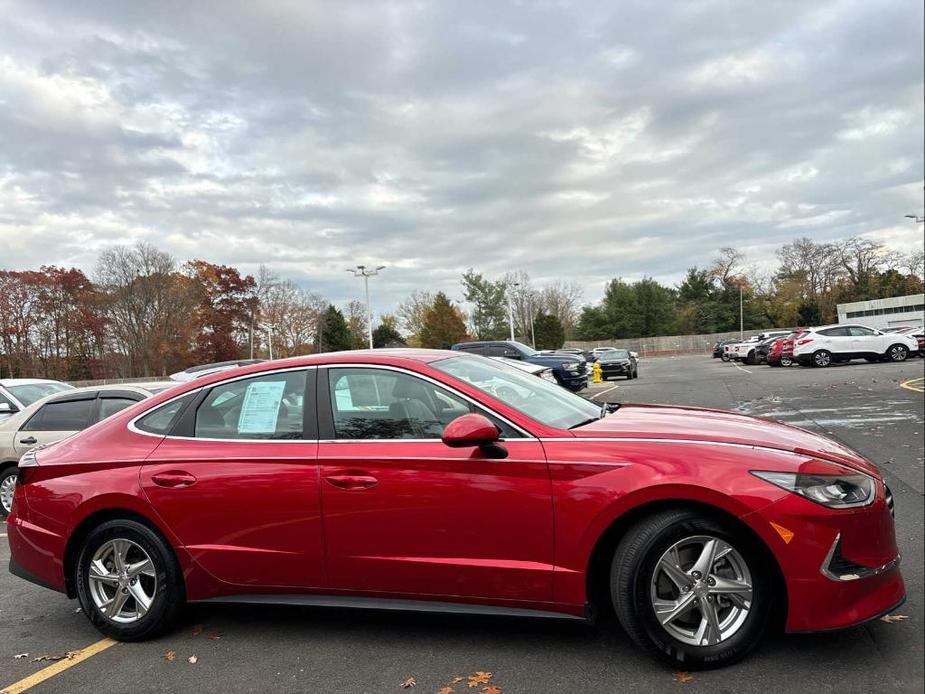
(750, 358)
(161, 582)
(786, 361)
(639, 586)
(897, 353)
(822, 358)
(725, 357)
(7, 486)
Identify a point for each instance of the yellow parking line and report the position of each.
(914, 384)
(56, 668)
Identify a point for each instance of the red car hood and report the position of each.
(721, 426)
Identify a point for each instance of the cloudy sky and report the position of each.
(571, 140)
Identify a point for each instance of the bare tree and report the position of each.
(728, 266)
(562, 299)
(147, 303)
(914, 263)
(860, 258)
(292, 313)
(412, 312)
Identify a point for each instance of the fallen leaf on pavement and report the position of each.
(198, 629)
(408, 683)
(21, 655)
(193, 659)
(445, 690)
(479, 678)
(170, 655)
(683, 677)
(491, 690)
(457, 680)
(890, 618)
(215, 636)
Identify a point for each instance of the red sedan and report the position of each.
(431, 480)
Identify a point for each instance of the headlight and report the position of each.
(571, 366)
(834, 491)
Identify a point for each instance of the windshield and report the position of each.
(615, 355)
(29, 393)
(546, 402)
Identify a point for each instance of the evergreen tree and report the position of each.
(333, 333)
(548, 331)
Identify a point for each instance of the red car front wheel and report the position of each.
(691, 590)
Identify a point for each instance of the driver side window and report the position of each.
(385, 404)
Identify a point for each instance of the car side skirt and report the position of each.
(389, 604)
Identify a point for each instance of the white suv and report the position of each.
(838, 343)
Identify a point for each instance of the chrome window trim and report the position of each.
(434, 381)
(131, 424)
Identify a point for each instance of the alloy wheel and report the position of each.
(786, 361)
(122, 581)
(7, 489)
(898, 353)
(822, 358)
(701, 590)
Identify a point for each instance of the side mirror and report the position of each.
(5, 408)
(471, 430)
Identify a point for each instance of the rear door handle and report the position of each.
(29, 441)
(173, 478)
(351, 480)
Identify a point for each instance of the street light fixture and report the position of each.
(916, 218)
(366, 273)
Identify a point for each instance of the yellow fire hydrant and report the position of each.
(596, 370)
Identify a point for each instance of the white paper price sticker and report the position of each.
(260, 408)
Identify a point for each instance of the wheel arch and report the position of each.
(94, 519)
(597, 574)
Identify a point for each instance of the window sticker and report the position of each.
(260, 408)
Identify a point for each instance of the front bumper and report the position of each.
(573, 380)
(840, 567)
(607, 372)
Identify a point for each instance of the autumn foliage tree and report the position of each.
(444, 324)
(223, 310)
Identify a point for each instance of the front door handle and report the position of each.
(31, 440)
(352, 480)
(173, 479)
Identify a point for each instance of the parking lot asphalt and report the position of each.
(286, 649)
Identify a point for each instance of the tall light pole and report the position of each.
(741, 316)
(366, 273)
(510, 307)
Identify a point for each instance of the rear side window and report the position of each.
(109, 406)
(161, 420)
(71, 415)
(265, 407)
(835, 332)
(858, 331)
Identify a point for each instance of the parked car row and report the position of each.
(824, 345)
(569, 370)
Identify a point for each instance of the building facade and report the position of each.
(885, 313)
